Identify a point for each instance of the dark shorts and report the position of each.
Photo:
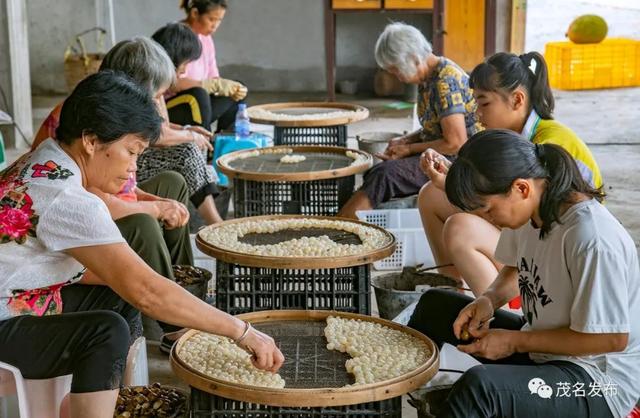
(90, 339)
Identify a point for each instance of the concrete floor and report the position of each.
(613, 135)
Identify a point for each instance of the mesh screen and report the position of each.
(341, 237)
(270, 163)
(308, 363)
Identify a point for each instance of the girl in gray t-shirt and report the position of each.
(576, 350)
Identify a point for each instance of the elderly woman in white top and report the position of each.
(446, 109)
(69, 284)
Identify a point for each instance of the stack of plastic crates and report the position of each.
(320, 135)
(611, 63)
(412, 247)
(242, 289)
(315, 197)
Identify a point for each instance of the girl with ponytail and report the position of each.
(575, 268)
(512, 93)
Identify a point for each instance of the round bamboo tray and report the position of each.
(299, 108)
(251, 260)
(316, 397)
(324, 162)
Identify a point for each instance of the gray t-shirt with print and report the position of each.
(585, 276)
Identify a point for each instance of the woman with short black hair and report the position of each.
(69, 284)
(576, 270)
(180, 43)
(191, 106)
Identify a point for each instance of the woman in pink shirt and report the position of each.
(201, 95)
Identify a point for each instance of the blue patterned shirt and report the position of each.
(445, 93)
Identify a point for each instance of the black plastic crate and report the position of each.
(322, 135)
(206, 405)
(317, 197)
(241, 289)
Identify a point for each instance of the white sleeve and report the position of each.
(600, 282)
(76, 218)
(507, 249)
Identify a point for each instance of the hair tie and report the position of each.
(533, 64)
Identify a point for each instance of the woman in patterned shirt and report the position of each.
(447, 114)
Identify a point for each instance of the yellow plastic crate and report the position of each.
(614, 62)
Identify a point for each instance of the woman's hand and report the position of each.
(240, 92)
(435, 166)
(399, 140)
(201, 140)
(396, 152)
(266, 355)
(171, 213)
(224, 87)
(473, 317)
(200, 130)
(492, 344)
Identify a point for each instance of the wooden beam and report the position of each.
(19, 71)
(490, 27)
(518, 25)
(330, 50)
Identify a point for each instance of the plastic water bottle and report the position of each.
(243, 126)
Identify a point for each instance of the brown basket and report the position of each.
(315, 370)
(76, 68)
(79, 64)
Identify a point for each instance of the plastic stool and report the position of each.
(42, 398)
(136, 373)
(39, 398)
(226, 143)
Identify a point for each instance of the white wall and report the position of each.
(274, 45)
(356, 36)
(52, 24)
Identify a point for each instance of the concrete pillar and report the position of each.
(14, 72)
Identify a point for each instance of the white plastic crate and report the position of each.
(405, 224)
(200, 259)
(206, 262)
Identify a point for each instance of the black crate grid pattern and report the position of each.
(204, 405)
(317, 197)
(241, 289)
(323, 135)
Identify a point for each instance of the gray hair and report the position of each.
(399, 46)
(144, 60)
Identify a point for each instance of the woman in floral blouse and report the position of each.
(447, 114)
(69, 284)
